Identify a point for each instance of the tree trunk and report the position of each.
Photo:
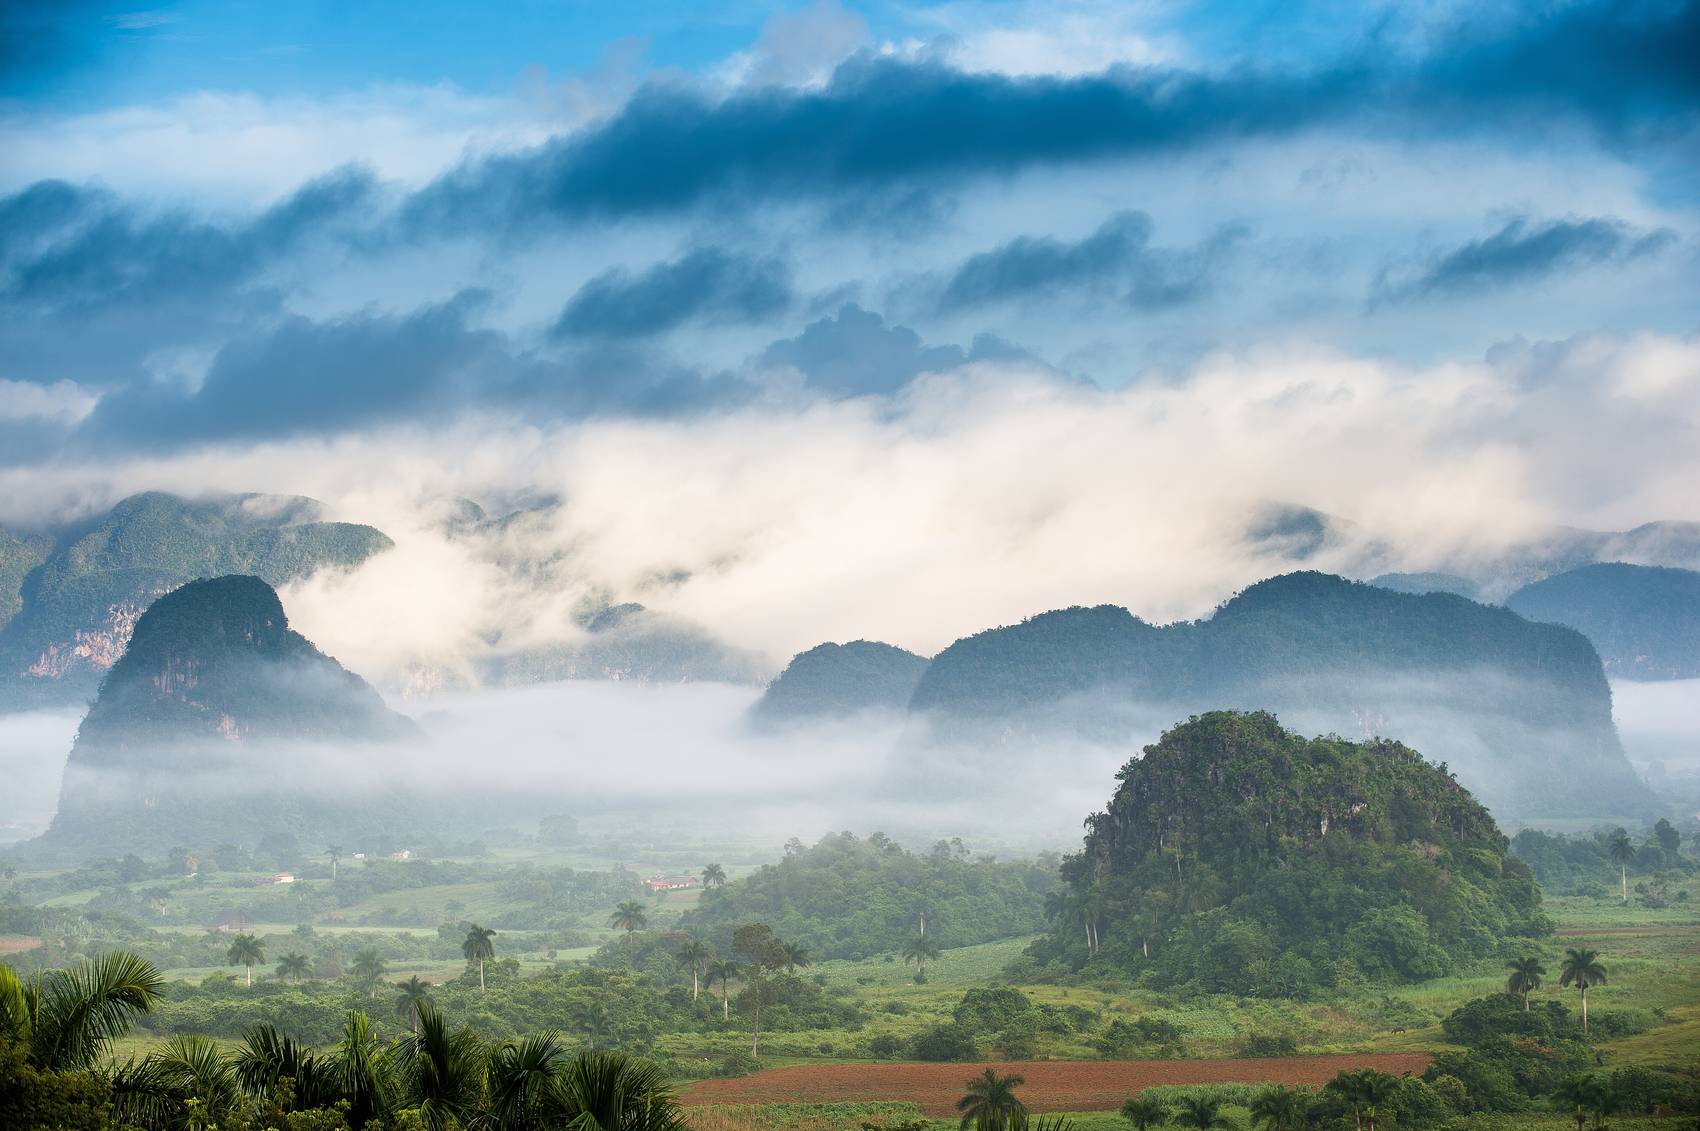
(725, 1001)
(693, 983)
(1584, 1008)
(1145, 947)
(755, 1027)
(1525, 1001)
(1624, 877)
(249, 970)
(480, 975)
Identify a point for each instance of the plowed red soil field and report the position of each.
(1051, 1085)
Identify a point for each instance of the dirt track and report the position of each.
(1051, 1085)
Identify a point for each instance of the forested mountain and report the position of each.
(77, 601)
(214, 697)
(629, 641)
(850, 898)
(1428, 583)
(1522, 711)
(1643, 620)
(1240, 857)
(842, 679)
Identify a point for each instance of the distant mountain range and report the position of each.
(214, 684)
(1643, 620)
(1522, 711)
(69, 599)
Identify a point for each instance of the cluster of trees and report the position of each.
(56, 1034)
(849, 897)
(1239, 857)
(1607, 860)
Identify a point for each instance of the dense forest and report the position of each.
(1643, 620)
(842, 679)
(848, 897)
(1237, 856)
(77, 592)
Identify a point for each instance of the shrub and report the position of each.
(945, 1042)
(1267, 1044)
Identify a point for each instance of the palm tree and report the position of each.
(66, 1020)
(1279, 1108)
(1365, 1090)
(520, 1076)
(713, 875)
(294, 967)
(366, 969)
(1202, 1113)
(442, 1073)
(725, 971)
(918, 950)
(1582, 969)
(601, 1089)
(335, 853)
(364, 1072)
(413, 995)
(591, 1019)
(796, 954)
(694, 952)
(991, 1103)
(478, 947)
(1144, 1113)
(247, 952)
(266, 1059)
(629, 917)
(1575, 1094)
(1622, 852)
(1525, 977)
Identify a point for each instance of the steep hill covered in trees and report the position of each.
(204, 707)
(832, 680)
(1643, 620)
(1521, 710)
(1240, 857)
(76, 604)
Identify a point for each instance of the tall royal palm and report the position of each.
(477, 947)
(367, 969)
(795, 954)
(629, 917)
(1622, 852)
(66, 1020)
(918, 950)
(695, 953)
(334, 853)
(991, 1103)
(713, 876)
(723, 972)
(247, 952)
(1582, 969)
(294, 967)
(1526, 974)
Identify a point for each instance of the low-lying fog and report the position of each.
(683, 753)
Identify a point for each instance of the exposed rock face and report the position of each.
(77, 602)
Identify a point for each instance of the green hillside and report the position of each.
(1643, 620)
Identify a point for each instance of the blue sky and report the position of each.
(1430, 267)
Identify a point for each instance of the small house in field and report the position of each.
(283, 877)
(669, 883)
(404, 854)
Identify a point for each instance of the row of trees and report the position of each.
(57, 1030)
(1581, 969)
(368, 967)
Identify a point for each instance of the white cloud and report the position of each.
(62, 402)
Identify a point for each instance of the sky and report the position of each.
(820, 321)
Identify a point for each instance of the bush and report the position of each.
(945, 1042)
(886, 1046)
(1265, 1044)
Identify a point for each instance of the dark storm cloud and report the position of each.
(854, 353)
(708, 284)
(884, 126)
(1522, 251)
(1118, 257)
(366, 370)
